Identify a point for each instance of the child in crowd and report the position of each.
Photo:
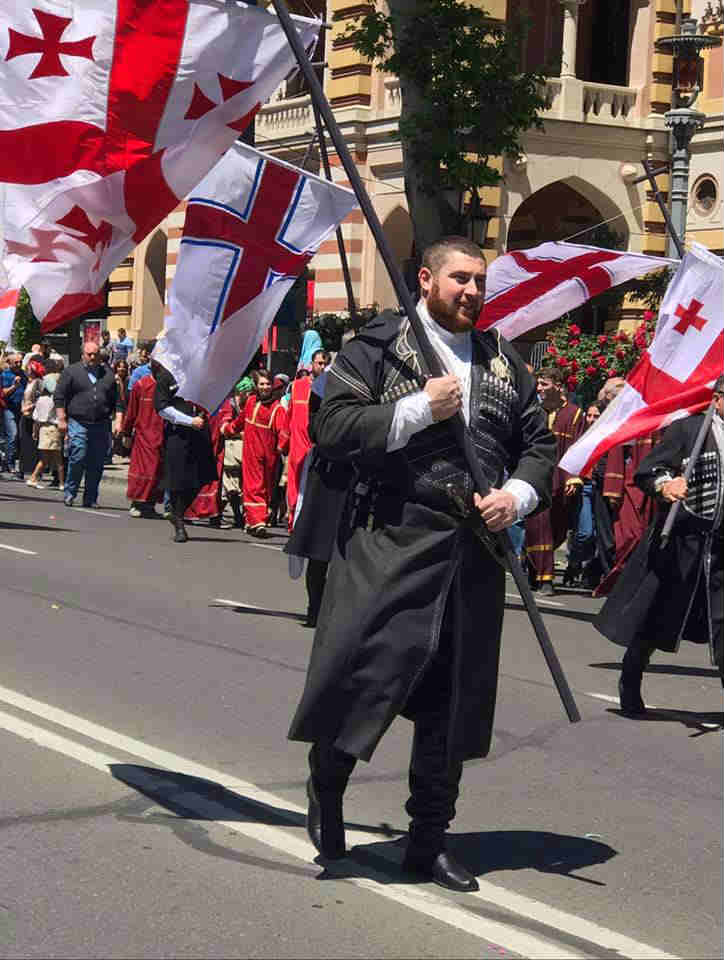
(49, 437)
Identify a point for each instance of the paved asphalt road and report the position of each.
(152, 807)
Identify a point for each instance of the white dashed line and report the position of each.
(6, 546)
(539, 603)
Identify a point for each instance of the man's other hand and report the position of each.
(675, 489)
(198, 423)
(445, 395)
(499, 509)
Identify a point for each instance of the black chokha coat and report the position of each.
(665, 596)
(404, 554)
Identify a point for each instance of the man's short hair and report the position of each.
(121, 330)
(551, 373)
(437, 253)
(320, 353)
(257, 375)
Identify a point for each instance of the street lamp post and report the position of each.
(683, 122)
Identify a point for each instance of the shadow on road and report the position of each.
(701, 722)
(671, 668)
(555, 611)
(8, 525)
(194, 800)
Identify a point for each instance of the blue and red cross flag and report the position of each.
(251, 227)
(528, 288)
(675, 375)
(111, 113)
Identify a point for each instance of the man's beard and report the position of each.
(448, 315)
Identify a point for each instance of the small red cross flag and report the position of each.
(528, 288)
(111, 113)
(675, 376)
(251, 227)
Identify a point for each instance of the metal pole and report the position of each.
(698, 444)
(430, 357)
(351, 306)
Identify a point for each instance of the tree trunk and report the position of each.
(431, 215)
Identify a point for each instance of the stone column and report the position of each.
(570, 36)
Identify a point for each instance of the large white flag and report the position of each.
(251, 227)
(111, 112)
(528, 288)
(676, 374)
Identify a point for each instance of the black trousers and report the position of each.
(316, 579)
(434, 777)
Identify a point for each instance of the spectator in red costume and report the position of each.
(264, 425)
(142, 427)
(298, 419)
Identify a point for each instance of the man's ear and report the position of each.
(425, 278)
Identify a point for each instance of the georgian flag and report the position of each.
(111, 111)
(675, 376)
(251, 227)
(8, 303)
(528, 288)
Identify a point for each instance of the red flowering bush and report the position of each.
(590, 359)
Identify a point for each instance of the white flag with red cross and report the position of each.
(111, 112)
(528, 288)
(8, 303)
(675, 376)
(251, 227)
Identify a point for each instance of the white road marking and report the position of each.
(245, 605)
(264, 546)
(549, 603)
(6, 546)
(414, 897)
(98, 513)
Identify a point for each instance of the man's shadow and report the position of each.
(194, 800)
(674, 669)
(700, 721)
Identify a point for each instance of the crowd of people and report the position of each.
(357, 461)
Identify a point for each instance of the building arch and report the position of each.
(153, 285)
(397, 227)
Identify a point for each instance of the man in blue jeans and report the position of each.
(12, 383)
(85, 401)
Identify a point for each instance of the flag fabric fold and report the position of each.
(528, 288)
(111, 113)
(251, 227)
(8, 303)
(675, 376)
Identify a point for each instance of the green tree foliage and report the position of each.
(26, 327)
(465, 100)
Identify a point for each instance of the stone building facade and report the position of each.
(605, 102)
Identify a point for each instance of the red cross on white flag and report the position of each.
(676, 374)
(251, 227)
(528, 288)
(111, 113)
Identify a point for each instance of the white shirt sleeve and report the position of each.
(412, 414)
(176, 416)
(525, 495)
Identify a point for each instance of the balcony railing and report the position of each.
(568, 98)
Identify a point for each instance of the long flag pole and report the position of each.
(698, 444)
(432, 361)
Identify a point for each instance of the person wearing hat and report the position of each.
(672, 594)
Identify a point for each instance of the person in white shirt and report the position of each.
(412, 610)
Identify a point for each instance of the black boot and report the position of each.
(330, 771)
(179, 504)
(235, 503)
(434, 786)
(629, 685)
(180, 536)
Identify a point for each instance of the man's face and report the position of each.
(592, 414)
(106, 336)
(143, 355)
(319, 365)
(719, 403)
(15, 362)
(90, 354)
(455, 294)
(549, 392)
(264, 388)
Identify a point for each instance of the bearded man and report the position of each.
(412, 612)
